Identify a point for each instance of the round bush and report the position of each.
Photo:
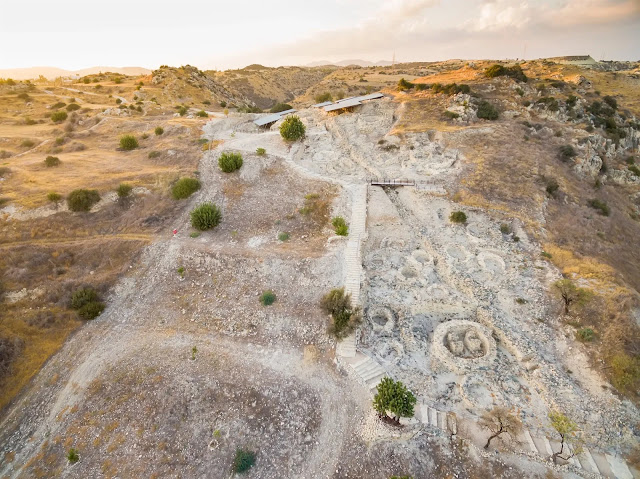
(159, 130)
(128, 142)
(268, 298)
(184, 187)
(124, 190)
(81, 297)
(72, 107)
(58, 116)
(202, 114)
(91, 310)
(292, 128)
(205, 216)
(261, 151)
(52, 161)
(243, 461)
(82, 200)
(487, 111)
(458, 217)
(229, 162)
(54, 197)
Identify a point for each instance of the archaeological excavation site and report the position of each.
(434, 275)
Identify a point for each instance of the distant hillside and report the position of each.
(53, 72)
(346, 63)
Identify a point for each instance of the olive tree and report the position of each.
(393, 397)
(500, 421)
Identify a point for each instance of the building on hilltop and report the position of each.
(574, 60)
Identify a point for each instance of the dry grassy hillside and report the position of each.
(47, 251)
(583, 205)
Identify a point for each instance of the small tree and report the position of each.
(205, 216)
(394, 397)
(500, 421)
(229, 162)
(128, 142)
(340, 226)
(571, 294)
(292, 128)
(344, 317)
(567, 430)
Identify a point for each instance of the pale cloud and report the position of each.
(591, 12)
(501, 14)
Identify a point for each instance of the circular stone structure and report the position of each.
(463, 346)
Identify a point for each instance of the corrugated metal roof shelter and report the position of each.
(267, 120)
(372, 96)
(343, 104)
(346, 99)
(320, 105)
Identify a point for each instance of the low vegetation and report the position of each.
(54, 197)
(158, 130)
(571, 294)
(458, 217)
(205, 216)
(124, 190)
(344, 317)
(128, 142)
(87, 302)
(599, 205)
(185, 187)
(230, 162)
(82, 200)
(261, 151)
(514, 72)
(59, 116)
(323, 97)
(340, 226)
(278, 107)
(51, 161)
(500, 421)
(487, 111)
(570, 443)
(267, 298)
(243, 461)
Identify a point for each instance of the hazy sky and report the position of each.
(75, 34)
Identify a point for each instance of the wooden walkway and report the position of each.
(391, 182)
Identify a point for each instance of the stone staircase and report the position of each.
(368, 371)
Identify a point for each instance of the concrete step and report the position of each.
(433, 417)
(586, 461)
(373, 383)
(442, 420)
(618, 467)
(602, 464)
(529, 441)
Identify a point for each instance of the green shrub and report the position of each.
(202, 114)
(118, 101)
(206, 102)
(612, 102)
(24, 96)
(243, 460)
(128, 142)
(278, 107)
(551, 186)
(458, 217)
(81, 297)
(29, 121)
(292, 128)
(585, 334)
(82, 200)
(205, 216)
(159, 130)
(58, 105)
(194, 234)
(124, 190)
(625, 371)
(322, 97)
(514, 72)
(571, 101)
(452, 115)
(182, 110)
(283, 236)
(599, 205)
(153, 154)
(73, 456)
(550, 103)
(229, 162)
(404, 85)
(91, 310)
(72, 107)
(450, 89)
(505, 229)
(340, 226)
(51, 161)
(54, 197)
(261, 151)
(223, 104)
(268, 298)
(635, 170)
(27, 143)
(487, 111)
(520, 91)
(58, 116)
(566, 152)
(344, 317)
(185, 187)
(59, 141)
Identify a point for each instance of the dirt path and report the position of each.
(82, 239)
